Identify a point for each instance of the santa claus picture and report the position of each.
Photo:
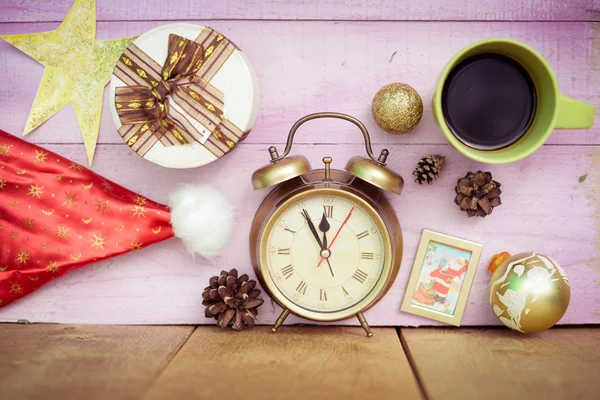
(441, 278)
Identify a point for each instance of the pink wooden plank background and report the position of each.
(506, 10)
(335, 66)
(308, 66)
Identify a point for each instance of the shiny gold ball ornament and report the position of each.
(397, 108)
(529, 292)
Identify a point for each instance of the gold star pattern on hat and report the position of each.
(22, 257)
(15, 287)
(139, 211)
(77, 67)
(4, 148)
(134, 246)
(98, 242)
(102, 205)
(53, 267)
(62, 232)
(40, 157)
(35, 191)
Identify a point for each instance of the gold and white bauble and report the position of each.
(529, 292)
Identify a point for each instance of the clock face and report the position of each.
(339, 269)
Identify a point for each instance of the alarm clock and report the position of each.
(326, 244)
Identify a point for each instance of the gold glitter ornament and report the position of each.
(529, 292)
(397, 108)
(77, 67)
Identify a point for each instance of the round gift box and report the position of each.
(235, 79)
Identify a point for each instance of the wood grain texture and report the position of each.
(545, 209)
(306, 67)
(91, 362)
(500, 364)
(296, 363)
(552, 10)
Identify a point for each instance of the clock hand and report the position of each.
(315, 234)
(338, 232)
(324, 227)
(312, 228)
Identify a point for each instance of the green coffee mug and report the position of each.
(553, 110)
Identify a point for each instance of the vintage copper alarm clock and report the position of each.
(326, 244)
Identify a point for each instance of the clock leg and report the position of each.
(280, 320)
(364, 324)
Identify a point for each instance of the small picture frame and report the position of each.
(441, 278)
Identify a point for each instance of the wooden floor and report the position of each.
(185, 362)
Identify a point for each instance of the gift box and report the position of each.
(183, 95)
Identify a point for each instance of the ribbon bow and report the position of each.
(175, 103)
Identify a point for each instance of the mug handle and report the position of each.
(574, 114)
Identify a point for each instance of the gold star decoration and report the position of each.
(140, 200)
(71, 198)
(28, 223)
(3, 184)
(15, 287)
(40, 157)
(107, 186)
(101, 205)
(53, 267)
(77, 67)
(98, 242)
(139, 211)
(35, 191)
(22, 257)
(75, 167)
(5, 149)
(133, 246)
(62, 232)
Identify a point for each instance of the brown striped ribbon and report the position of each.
(145, 105)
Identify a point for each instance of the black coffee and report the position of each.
(488, 101)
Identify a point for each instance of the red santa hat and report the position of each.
(57, 216)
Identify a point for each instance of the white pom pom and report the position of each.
(202, 218)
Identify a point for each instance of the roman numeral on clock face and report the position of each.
(287, 271)
(323, 295)
(367, 256)
(360, 276)
(328, 211)
(301, 288)
(345, 291)
(362, 235)
(283, 252)
(289, 230)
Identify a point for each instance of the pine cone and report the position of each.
(477, 194)
(428, 168)
(232, 299)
